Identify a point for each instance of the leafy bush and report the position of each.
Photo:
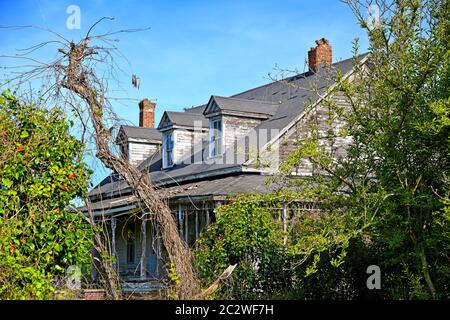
(41, 171)
(246, 234)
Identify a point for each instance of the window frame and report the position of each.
(216, 141)
(168, 154)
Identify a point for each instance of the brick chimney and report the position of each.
(147, 114)
(320, 55)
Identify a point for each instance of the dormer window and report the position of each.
(215, 137)
(168, 150)
(138, 143)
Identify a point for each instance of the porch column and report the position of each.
(206, 211)
(196, 224)
(113, 242)
(181, 221)
(143, 247)
(158, 253)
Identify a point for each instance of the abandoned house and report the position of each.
(199, 158)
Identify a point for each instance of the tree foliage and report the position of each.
(248, 235)
(41, 171)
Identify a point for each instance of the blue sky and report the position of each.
(194, 48)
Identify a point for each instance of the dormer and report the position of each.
(138, 143)
(183, 134)
(230, 119)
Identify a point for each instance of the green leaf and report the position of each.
(8, 183)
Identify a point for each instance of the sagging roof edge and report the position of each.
(125, 209)
(187, 178)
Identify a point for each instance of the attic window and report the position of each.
(215, 137)
(168, 150)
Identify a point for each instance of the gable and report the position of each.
(249, 108)
(121, 136)
(211, 107)
(289, 126)
(165, 122)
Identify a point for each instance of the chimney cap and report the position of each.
(146, 102)
(322, 41)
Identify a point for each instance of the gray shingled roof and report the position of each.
(243, 105)
(215, 187)
(198, 109)
(185, 119)
(160, 178)
(294, 93)
(232, 185)
(142, 133)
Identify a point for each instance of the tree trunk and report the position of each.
(81, 81)
(426, 272)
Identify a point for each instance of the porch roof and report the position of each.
(212, 189)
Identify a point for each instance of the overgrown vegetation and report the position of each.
(244, 233)
(41, 171)
(385, 202)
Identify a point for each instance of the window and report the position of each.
(168, 150)
(215, 134)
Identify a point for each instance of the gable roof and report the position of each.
(258, 108)
(149, 135)
(140, 133)
(286, 99)
(182, 119)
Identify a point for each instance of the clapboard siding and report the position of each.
(139, 151)
(236, 128)
(290, 140)
(184, 145)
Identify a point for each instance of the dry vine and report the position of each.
(84, 83)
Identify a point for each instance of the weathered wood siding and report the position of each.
(290, 140)
(139, 151)
(184, 145)
(236, 128)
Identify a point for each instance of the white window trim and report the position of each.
(211, 132)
